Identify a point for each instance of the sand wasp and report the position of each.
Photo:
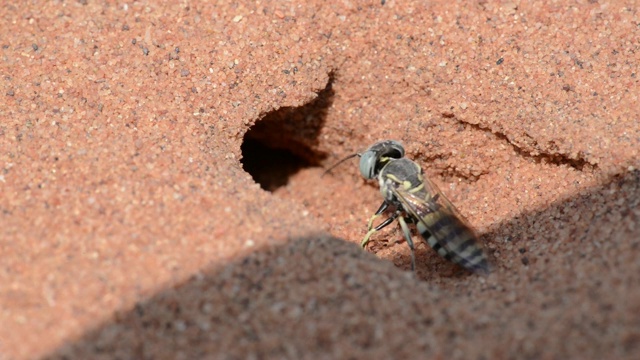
(411, 198)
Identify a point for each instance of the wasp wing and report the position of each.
(442, 226)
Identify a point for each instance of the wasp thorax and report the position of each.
(376, 156)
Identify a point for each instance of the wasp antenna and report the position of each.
(339, 162)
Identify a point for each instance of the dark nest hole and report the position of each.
(285, 141)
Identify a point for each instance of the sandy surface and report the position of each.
(129, 227)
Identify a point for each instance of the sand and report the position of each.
(162, 197)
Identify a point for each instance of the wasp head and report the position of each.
(377, 156)
(374, 158)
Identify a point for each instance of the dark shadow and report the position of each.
(576, 293)
(285, 141)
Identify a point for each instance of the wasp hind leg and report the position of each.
(407, 236)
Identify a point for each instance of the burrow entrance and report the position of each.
(285, 141)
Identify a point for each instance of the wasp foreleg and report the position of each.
(380, 210)
(371, 231)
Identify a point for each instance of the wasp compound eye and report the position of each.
(378, 155)
(368, 162)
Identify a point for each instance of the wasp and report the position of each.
(411, 198)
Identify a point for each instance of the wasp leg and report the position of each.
(370, 232)
(380, 210)
(407, 236)
(365, 241)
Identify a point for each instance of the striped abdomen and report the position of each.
(453, 240)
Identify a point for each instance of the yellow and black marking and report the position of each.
(414, 199)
